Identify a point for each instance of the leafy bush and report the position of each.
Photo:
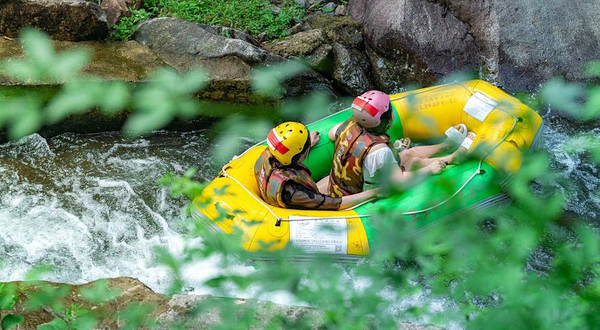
(127, 26)
(253, 16)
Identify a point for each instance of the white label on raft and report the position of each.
(479, 106)
(330, 236)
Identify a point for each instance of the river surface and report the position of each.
(89, 204)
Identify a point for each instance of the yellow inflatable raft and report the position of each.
(506, 130)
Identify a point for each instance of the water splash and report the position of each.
(89, 204)
(579, 179)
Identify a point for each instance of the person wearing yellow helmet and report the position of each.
(284, 181)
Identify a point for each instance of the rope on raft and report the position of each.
(477, 172)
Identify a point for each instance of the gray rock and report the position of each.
(349, 70)
(114, 10)
(184, 45)
(321, 59)
(329, 7)
(297, 28)
(299, 44)
(516, 44)
(71, 20)
(228, 32)
(178, 37)
(416, 31)
(302, 3)
(341, 10)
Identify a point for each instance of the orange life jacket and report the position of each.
(272, 176)
(351, 147)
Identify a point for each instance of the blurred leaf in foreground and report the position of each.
(168, 95)
(269, 80)
(308, 109)
(42, 63)
(566, 97)
(234, 130)
(99, 293)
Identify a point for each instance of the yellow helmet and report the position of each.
(288, 140)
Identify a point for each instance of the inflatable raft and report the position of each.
(506, 130)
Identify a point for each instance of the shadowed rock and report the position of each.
(71, 20)
(515, 44)
(406, 32)
(349, 70)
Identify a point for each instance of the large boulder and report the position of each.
(516, 44)
(71, 20)
(175, 37)
(128, 61)
(229, 61)
(413, 39)
(178, 311)
(349, 70)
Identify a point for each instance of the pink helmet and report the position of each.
(369, 107)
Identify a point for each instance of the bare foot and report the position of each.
(448, 143)
(461, 151)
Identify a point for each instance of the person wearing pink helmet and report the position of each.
(363, 149)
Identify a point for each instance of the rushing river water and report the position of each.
(90, 206)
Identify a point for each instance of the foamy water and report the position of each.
(89, 205)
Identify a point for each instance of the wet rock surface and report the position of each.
(128, 61)
(513, 44)
(184, 45)
(414, 31)
(71, 20)
(165, 310)
(351, 70)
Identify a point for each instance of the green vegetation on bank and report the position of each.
(252, 16)
(477, 265)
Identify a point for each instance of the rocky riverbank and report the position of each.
(379, 45)
(162, 310)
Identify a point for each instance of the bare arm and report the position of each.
(352, 200)
(332, 131)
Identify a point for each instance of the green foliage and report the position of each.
(573, 99)
(479, 263)
(11, 320)
(165, 97)
(253, 16)
(8, 299)
(268, 80)
(183, 185)
(136, 315)
(127, 26)
(99, 293)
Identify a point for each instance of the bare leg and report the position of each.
(423, 152)
(459, 153)
(323, 185)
